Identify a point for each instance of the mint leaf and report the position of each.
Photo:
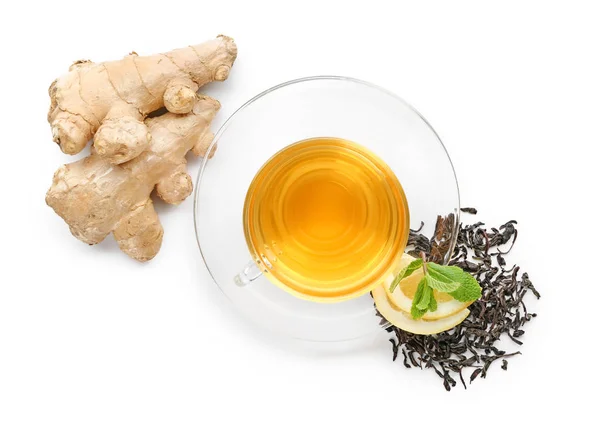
(451, 273)
(423, 304)
(415, 312)
(432, 303)
(412, 267)
(439, 282)
(468, 291)
(468, 288)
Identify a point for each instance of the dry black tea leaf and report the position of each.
(501, 310)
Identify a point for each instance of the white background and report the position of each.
(90, 337)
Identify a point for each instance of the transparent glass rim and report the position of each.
(228, 121)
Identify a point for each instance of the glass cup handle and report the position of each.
(250, 272)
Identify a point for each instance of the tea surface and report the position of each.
(326, 219)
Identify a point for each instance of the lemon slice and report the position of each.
(403, 294)
(405, 322)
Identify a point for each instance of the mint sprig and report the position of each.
(452, 280)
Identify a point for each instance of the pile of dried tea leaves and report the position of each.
(501, 311)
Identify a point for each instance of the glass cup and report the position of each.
(323, 106)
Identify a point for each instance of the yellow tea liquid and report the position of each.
(326, 219)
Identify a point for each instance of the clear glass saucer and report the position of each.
(300, 109)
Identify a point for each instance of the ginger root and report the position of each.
(96, 197)
(109, 101)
